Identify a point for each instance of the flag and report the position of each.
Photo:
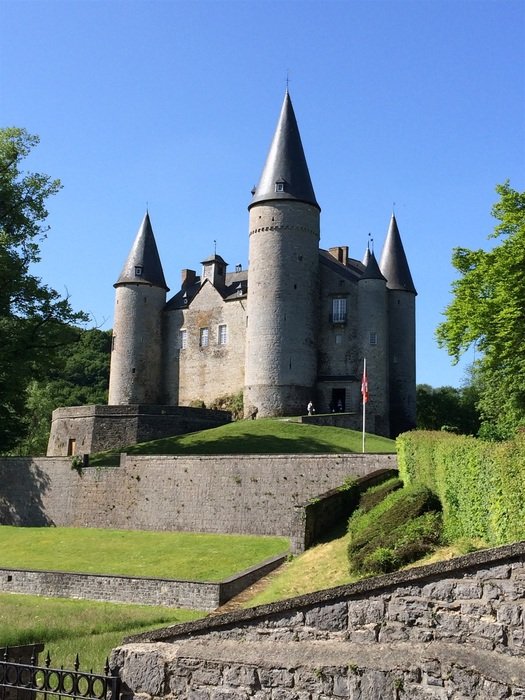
(364, 386)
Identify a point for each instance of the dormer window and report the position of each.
(138, 270)
(279, 186)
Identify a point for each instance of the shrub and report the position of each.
(403, 527)
(480, 484)
(230, 402)
(375, 494)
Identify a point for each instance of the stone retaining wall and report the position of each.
(87, 429)
(250, 494)
(450, 630)
(198, 595)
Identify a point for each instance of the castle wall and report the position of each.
(252, 494)
(402, 360)
(137, 345)
(339, 354)
(449, 630)
(205, 373)
(281, 337)
(374, 346)
(87, 429)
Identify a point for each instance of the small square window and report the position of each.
(373, 338)
(138, 270)
(222, 335)
(279, 186)
(204, 337)
(183, 339)
(338, 339)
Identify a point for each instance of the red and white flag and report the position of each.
(364, 386)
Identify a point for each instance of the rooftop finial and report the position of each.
(287, 79)
(215, 247)
(370, 243)
(393, 208)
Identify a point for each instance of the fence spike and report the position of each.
(77, 663)
(33, 656)
(48, 659)
(106, 667)
(6, 653)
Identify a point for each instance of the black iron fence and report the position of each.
(28, 681)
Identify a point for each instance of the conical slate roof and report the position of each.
(394, 265)
(371, 271)
(285, 174)
(143, 265)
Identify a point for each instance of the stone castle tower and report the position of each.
(292, 328)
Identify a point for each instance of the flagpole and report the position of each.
(364, 403)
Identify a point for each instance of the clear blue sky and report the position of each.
(173, 105)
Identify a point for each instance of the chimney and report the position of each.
(188, 278)
(340, 253)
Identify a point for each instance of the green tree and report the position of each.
(488, 311)
(447, 406)
(81, 378)
(35, 321)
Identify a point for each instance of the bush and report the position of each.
(403, 527)
(480, 484)
(230, 402)
(375, 494)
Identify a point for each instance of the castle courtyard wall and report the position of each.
(251, 494)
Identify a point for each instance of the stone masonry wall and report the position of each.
(252, 494)
(450, 630)
(98, 428)
(197, 595)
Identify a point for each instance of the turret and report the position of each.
(281, 346)
(374, 341)
(402, 332)
(135, 376)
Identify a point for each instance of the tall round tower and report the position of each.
(135, 375)
(402, 332)
(374, 341)
(283, 294)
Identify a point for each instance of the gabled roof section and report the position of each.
(372, 271)
(352, 270)
(394, 265)
(143, 265)
(285, 174)
(236, 287)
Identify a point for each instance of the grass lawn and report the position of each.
(180, 555)
(264, 436)
(68, 627)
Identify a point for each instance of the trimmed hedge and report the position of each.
(481, 485)
(400, 529)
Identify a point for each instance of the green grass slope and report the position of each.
(264, 436)
(178, 555)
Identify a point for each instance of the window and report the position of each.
(373, 338)
(338, 339)
(222, 336)
(183, 339)
(279, 186)
(138, 270)
(204, 337)
(338, 310)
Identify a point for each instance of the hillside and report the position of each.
(264, 436)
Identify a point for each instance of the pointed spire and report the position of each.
(394, 265)
(372, 271)
(285, 174)
(143, 265)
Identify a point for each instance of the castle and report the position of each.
(293, 328)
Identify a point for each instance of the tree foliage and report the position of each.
(35, 320)
(488, 311)
(80, 378)
(447, 407)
